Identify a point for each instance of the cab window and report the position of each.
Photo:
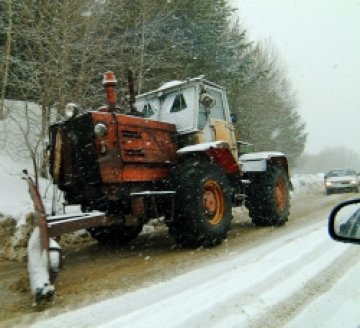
(179, 104)
(217, 111)
(148, 110)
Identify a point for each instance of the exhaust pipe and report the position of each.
(109, 83)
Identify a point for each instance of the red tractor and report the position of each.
(172, 155)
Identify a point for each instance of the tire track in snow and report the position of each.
(243, 306)
(284, 312)
(273, 306)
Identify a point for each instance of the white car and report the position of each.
(341, 180)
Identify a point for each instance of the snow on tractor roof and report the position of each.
(171, 85)
(260, 155)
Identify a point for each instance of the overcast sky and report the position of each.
(319, 43)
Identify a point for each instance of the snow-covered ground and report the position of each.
(302, 280)
(266, 286)
(14, 200)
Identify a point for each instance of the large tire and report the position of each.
(203, 207)
(268, 198)
(115, 234)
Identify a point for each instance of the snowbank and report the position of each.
(16, 206)
(14, 197)
(306, 182)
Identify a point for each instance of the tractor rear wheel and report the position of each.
(268, 198)
(203, 204)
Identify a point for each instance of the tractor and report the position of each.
(172, 154)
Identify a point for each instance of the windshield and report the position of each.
(340, 173)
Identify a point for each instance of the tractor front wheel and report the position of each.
(268, 198)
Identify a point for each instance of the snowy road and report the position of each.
(292, 276)
(289, 281)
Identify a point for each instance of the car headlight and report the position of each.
(353, 182)
(328, 183)
(100, 129)
(71, 110)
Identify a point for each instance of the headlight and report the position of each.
(71, 110)
(100, 129)
(353, 182)
(328, 183)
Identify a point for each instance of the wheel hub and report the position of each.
(280, 194)
(213, 202)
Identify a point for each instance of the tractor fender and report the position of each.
(261, 161)
(218, 151)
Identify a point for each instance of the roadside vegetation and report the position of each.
(54, 52)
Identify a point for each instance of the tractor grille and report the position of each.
(79, 174)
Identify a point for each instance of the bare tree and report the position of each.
(48, 50)
(22, 124)
(5, 63)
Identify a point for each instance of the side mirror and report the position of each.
(344, 222)
(233, 118)
(207, 100)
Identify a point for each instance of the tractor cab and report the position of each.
(198, 108)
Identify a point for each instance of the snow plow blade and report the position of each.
(43, 252)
